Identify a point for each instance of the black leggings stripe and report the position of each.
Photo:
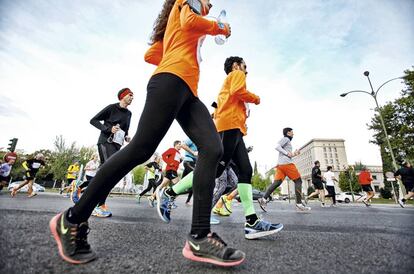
(168, 98)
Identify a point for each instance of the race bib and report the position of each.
(35, 165)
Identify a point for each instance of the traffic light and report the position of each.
(12, 144)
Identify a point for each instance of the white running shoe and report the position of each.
(302, 208)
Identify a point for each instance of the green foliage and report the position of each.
(399, 121)
(139, 174)
(347, 179)
(388, 189)
(385, 193)
(259, 182)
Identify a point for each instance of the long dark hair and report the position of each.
(161, 23)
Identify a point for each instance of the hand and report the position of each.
(195, 153)
(115, 129)
(297, 152)
(258, 101)
(290, 154)
(227, 26)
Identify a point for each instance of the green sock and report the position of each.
(184, 184)
(246, 197)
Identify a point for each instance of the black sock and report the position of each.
(199, 233)
(69, 216)
(251, 219)
(170, 192)
(403, 200)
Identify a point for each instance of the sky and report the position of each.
(61, 62)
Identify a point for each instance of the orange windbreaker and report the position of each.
(231, 108)
(179, 52)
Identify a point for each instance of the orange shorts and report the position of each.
(288, 170)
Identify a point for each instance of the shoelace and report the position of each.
(81, 236)
(217, 240)
(264, 225)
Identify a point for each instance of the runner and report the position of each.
(172, 157)
(330, 179)
(286, 168)
(90, 171)
(230, 118)
(71, 175)
(31, 166)
(365, 179)
(318, 184)
(172, 89)
(153, 168)
(5, 169)
(114, 131)
(406, 175)
(190, 158)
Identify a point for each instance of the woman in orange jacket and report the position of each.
(177, 36)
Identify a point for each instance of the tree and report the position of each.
(399, 122)
(62, 157)
(347, 178)
(139, 174)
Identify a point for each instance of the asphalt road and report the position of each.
(346, 239)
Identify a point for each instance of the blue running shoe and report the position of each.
(164, 203)
(214, 221)
(261, 229)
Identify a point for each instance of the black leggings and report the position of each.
(106, 150)
(235, 149)
(331, 193)
(168, 98)
(151, 184)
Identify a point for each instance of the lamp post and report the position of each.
(374, 94)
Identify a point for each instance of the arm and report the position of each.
(238, 88)
(154, 53)
(280, 145)
(101, 116)
(25, 165)
(194, 22)
(188, 149)
(166, 155)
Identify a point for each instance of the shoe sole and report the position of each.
(52, 226)
(225, 206)
(262, 234)
(262, 207)
(187, 253)
(157, 194)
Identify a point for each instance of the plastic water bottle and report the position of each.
(221, 39)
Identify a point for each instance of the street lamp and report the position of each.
(374, 94)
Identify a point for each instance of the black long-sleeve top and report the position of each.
(111, 116)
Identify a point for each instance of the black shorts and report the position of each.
(409, 186)
(69, 181)
(29, 176)
(318, 185)
(171, 174)
(5, 179)
(367, 188)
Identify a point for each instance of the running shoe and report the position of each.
(31, 195)
(323, 205)
(151, 201)
(260, 229)
(302, 208)
(263, 203)
(71, 240)
(366, 203)
(13, 192)
(99, 212)
(226, 203)
(105, 208)
(214, 221)
(221, 211)
(173, 205)
(401, 203)
(333, 205)
(212, 249)
(164, 205)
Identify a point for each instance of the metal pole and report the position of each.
(350, 185)
(388, 143)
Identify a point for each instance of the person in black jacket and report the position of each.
(114, 131)
(406, 175)
(317, 183)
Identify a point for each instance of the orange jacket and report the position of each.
(231, 108)
(179, 52)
